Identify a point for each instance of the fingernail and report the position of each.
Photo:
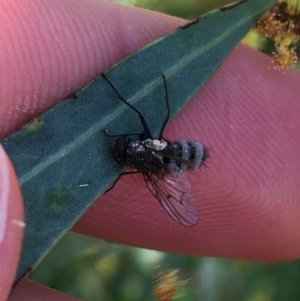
(4, 190)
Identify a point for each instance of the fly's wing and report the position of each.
(173, 191)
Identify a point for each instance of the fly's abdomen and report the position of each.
(186, 154)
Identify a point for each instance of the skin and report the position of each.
(247, 114)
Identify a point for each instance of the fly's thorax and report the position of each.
(156, 145)
(141, 154)
(186, 154)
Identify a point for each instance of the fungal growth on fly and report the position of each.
(162, 164)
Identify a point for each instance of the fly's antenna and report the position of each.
(160, 135)
(142, 119)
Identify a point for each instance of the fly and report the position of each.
(162, 164)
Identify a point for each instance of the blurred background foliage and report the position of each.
(92, 269)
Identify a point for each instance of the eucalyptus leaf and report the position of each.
(63, 160)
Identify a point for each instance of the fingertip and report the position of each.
(248, 197)
(11, 224)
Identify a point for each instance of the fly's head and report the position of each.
(119, 149)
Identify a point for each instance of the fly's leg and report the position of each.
(141, 134)
(119, 177)
(142, 119)
(160, 135)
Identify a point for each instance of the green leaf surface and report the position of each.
(63, 160)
